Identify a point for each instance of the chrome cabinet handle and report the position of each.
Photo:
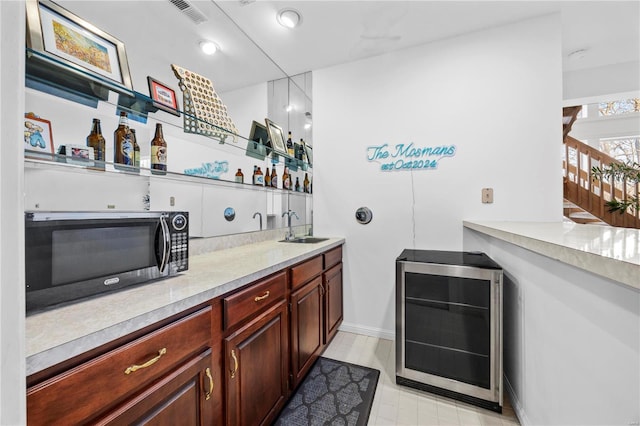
(149, 363)
(264, 296)
(208, 393)
(235, 364)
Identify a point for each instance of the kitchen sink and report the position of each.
(305, 240)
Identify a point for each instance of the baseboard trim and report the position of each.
(515, 403)
(367, 331)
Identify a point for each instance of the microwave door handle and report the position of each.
(166, 247)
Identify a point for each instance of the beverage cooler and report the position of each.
(449, 325)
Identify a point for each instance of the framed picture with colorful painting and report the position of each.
(56, 33)
(163, 96)
(38, 138)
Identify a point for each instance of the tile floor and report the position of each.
(400, 405)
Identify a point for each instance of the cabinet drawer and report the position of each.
(108, 379)
(332, 257)
(303, 272)
(254, 299)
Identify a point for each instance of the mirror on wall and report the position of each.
(157, 34)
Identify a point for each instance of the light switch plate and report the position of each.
(487, 195)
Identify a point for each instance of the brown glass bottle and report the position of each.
(274, 178)
(123, 147)
(239, 176)
(158, 152)
(297, 184)
(96, 141)
(267, 178)
(286, 179)
(290, 146)
(136, 150)
(259, 178)
(305, 183)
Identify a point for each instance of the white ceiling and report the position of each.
(157, 34)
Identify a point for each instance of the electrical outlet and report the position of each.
(487, 195)
(172, 201)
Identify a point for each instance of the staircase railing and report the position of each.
(590, 194)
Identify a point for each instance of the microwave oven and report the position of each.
(74, 255)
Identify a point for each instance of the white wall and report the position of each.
(572, 340)
(601, 81)
(494, 94)
(245, 105)
(12, 302)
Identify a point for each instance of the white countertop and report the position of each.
(62, 333)
(607, 251)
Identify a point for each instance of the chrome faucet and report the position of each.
(258, 214)
(290, 236)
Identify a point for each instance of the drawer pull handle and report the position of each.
(235, 364)
(208, 373)
(264, 296)
(152, 361)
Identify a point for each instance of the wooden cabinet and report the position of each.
(235, 361)
(332, 301)
(316, 309)
(108, 382)
(307, 339)
(257, 361)
(181, 398)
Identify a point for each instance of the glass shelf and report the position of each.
(47, 74)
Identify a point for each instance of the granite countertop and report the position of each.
(62, 333)
(607, 251)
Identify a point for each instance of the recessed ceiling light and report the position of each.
(289, 18)
(208, 47)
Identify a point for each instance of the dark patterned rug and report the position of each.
(333, 393)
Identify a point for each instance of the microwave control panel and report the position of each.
(179, 224)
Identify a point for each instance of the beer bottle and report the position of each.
(158, 152)
(290, 146)
(259, 177)
(267, 178)
(136, 150)
(96, 141)
(286, 179)
(123, 147)
(255, 173)
(274, 178)
(297, 184)
(239, 176)
(303, 151)
(305, 183)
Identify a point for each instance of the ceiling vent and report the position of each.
(190, 10)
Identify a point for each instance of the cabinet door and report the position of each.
(256, 360)
(183, 397)
(333, 301)
(306, 328)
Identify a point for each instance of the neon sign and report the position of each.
(409, 157)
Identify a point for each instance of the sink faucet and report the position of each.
(258, 214)
(289, 213)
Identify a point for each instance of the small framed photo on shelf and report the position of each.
(54, 31)
(38, 137)
(80, 155)
(163, 96)
(277, 137)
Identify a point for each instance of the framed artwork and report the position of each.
(38, 138)
(163, 96)
(54, 31)
(277, 137)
